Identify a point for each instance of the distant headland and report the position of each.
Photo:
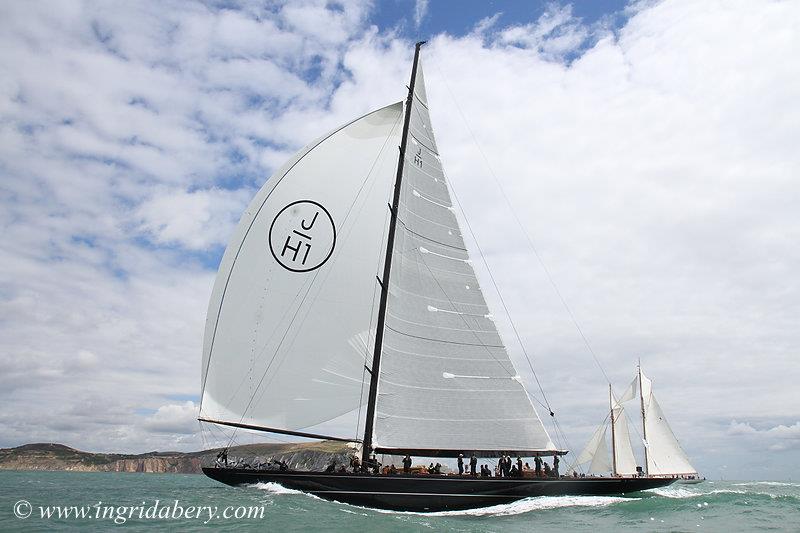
(58, 457)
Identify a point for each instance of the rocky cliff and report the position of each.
(50, 456)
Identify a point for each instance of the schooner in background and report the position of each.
(663, 455)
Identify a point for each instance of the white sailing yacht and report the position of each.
(663, 455)
(347, 284)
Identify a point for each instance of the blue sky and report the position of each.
(648, 149)
(459, 18)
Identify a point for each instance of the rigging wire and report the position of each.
(559, 432)
(528, 238)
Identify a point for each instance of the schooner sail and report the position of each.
(293, 326)
(663, 454)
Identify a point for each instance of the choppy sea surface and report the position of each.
(134, 502)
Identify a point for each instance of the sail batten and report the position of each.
(465, 395)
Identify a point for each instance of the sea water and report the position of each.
(134, 502)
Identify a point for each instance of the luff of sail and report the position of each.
(446, 382)
(287, 326)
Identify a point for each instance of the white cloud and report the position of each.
(486, 24)
(776, 438)
(420, 12)
(740, 428)
(173, 419)
(196, 220)
(556, 33)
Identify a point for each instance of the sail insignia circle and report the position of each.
(302, 236)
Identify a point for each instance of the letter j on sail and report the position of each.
(302, 236)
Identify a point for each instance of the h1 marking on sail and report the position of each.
(418, 158)
(302, 236)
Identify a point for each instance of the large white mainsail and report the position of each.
(287, 330)
(664, 454)
(446, 381)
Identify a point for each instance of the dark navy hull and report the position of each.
(431, 493)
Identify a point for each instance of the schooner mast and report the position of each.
(644, 419)
(613, 433)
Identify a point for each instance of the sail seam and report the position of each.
(444, 341)
(405, 227)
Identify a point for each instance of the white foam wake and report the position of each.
(766, 484)
(674, 492)
(538, 503)
(679, 492)
(275, 488)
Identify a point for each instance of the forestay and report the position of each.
(446, 381)
(287, 326)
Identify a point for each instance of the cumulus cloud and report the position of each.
(652, 164)
(196, 220)
(420, 11)
(173, 418)
(555, 34)
(775, 438)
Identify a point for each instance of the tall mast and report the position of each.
(374, 371)
(644, 425)
(613, 434)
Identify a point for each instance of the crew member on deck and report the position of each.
(406, 464)
(460, 464)
(222, 457)
(355, 464)
(555, 465)
(547, 470)
(473, 465)
(519, 466)
(374, 464)
(537, 461)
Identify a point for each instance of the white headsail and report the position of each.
(446, 380)
(625, 460)
(596, 451)
(287, 331)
